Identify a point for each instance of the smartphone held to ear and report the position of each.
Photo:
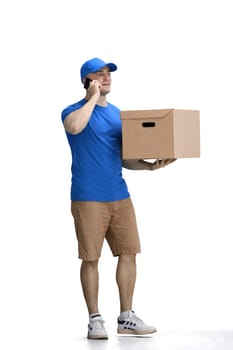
(87, 83)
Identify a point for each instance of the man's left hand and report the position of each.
(161, 163)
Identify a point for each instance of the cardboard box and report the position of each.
(160, 133)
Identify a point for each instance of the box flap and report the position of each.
(145, 114)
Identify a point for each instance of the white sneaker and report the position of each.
(134, 325)
(96, 329)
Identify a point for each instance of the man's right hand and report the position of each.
(94, 89)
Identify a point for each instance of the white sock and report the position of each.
(93, 316)
(124, 314)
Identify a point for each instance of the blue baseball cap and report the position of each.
(94, 65)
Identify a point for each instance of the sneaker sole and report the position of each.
(135, 332)
(97, 336)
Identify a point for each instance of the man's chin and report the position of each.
(104, 92)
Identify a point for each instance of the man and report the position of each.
(100, 201)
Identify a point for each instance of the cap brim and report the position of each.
(112, 67)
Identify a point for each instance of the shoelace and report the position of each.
(136, 319)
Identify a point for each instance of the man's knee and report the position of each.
(90, 263)
(127, 257)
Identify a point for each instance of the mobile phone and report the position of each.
(87, 83)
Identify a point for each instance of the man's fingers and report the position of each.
(168, 161)
(160, 163)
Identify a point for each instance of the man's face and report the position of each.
(104, 77)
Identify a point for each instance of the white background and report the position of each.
(170, 54)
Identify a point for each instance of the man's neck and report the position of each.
(102, 100)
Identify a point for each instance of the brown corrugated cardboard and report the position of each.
(160, 133)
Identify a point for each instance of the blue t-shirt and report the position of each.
(96, 156)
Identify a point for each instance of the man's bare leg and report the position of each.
(126, 277)
(89, 276)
